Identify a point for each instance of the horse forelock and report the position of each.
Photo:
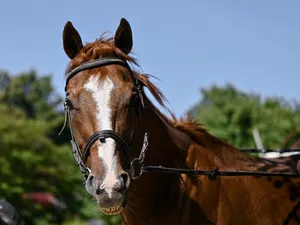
(102, 47)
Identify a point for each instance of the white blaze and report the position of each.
(101, 94)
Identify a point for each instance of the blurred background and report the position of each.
(233, 65)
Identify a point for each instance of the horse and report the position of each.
(115, 128)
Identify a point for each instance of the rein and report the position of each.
(212, 174)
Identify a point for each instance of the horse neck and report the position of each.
(167, 147)
(157, 196)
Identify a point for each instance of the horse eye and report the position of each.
(134, 100)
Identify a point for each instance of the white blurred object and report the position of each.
(268, 155)
(274, 155)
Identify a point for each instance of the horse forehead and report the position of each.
(100, 88)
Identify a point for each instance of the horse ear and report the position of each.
(71, 40)
(123, 37)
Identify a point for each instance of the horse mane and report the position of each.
(104, 47)
(186, 124)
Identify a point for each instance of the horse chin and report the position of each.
(111, 206)
(116, 210)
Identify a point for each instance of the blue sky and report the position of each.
(188, 45)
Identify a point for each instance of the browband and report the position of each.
(95, 64)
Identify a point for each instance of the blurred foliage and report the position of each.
(232, 115)
(34, 158)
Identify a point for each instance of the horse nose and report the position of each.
(110, 196)
(93, 185)
(123, 182)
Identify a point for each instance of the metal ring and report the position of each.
(135, 169)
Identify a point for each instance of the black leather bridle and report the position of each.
(81, 156)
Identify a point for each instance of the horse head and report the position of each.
(103, 101)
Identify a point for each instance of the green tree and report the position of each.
(232, 115)
(33, 157)
(31, 93)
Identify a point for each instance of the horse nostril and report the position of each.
(124, 177)
(93, 185)
(99, 191)
(89, 180)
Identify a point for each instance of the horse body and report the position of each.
(156, 198)
(185, 199)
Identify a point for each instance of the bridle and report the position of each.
(81, 156)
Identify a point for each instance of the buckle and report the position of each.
(135, 169)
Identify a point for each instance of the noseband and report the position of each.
(81, 157)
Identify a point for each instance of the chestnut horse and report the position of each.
(111, 118)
